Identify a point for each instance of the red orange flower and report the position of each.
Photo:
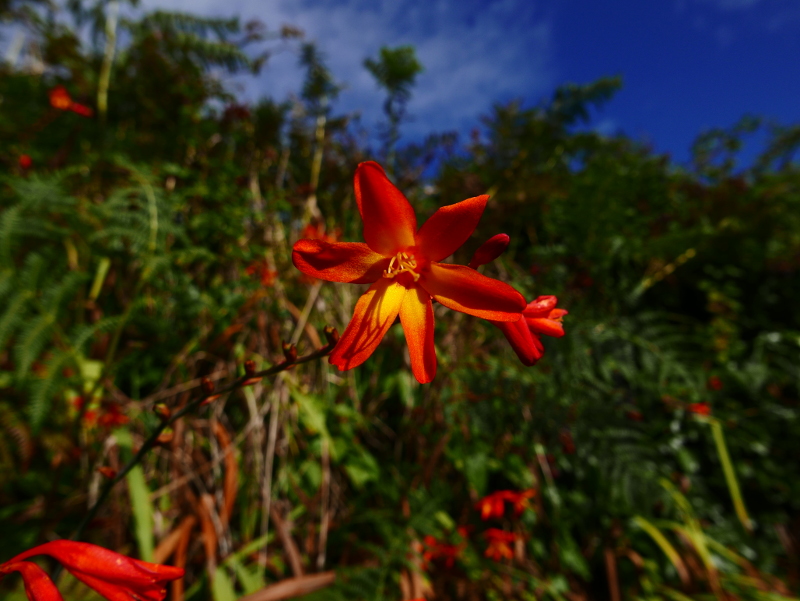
(540, 316)
(493, 505)
(262, 270)
(403, 265)
(700, 408)
(25, 161)
(116, 577)
(112, 417)
(714, 383)
(499, 544)
(61, 100)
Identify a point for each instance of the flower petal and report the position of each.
(351, 262)
(416, 315)
(464, 289)
(522, 341)
(546, 325)
(110, 573)
(389, 221)
(490, 250)
(449, 227)
(38, 586)
(541, 306)
(374, 314)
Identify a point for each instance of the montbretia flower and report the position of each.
(116, 577)
(61, 100)
(539, 317)
(700, 408)
(403, 264)
(493, 504)
(499, 544)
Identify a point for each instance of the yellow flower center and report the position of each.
(400, 263)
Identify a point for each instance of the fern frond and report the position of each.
(14, 315)
(32, 341)
(43, 390)
(14, 429)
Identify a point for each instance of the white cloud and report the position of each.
(474, 52)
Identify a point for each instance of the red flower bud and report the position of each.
(290, 352)
(331, 335)
(162, 411)
(207, 385)
(107, 472)
(490, 250)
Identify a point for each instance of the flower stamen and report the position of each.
(401, 262)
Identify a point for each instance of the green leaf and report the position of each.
(140, 501)
(222, 587)
(142, 512)
(252, 579)
(361, 467)
(476, 469)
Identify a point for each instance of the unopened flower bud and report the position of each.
(165, 437)
(162, 411)
(207, 385)
(331, 335)
(290, 352)
(490, 250)
(249, 368)
(107, 472)
(210, 399)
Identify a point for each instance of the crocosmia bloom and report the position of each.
(114, 576)
(493, 504)
(403, 264)
(700, 408)
(61, 100)
(499, 544)
(539, 317)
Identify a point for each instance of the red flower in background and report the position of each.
(261, 270)
(316, 231)
(499, 544)
(403, 265)
(116, 577)
(714, 383)
(112, 417)
(700, 408)
(540, 316)
(25, 161)
(61, 100)
(519, 500)
(493, 505)
(437, 550)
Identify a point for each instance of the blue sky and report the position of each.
(687, 65)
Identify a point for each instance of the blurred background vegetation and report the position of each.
(146, 222)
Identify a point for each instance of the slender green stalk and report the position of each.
(108, 59)
(730, 474)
